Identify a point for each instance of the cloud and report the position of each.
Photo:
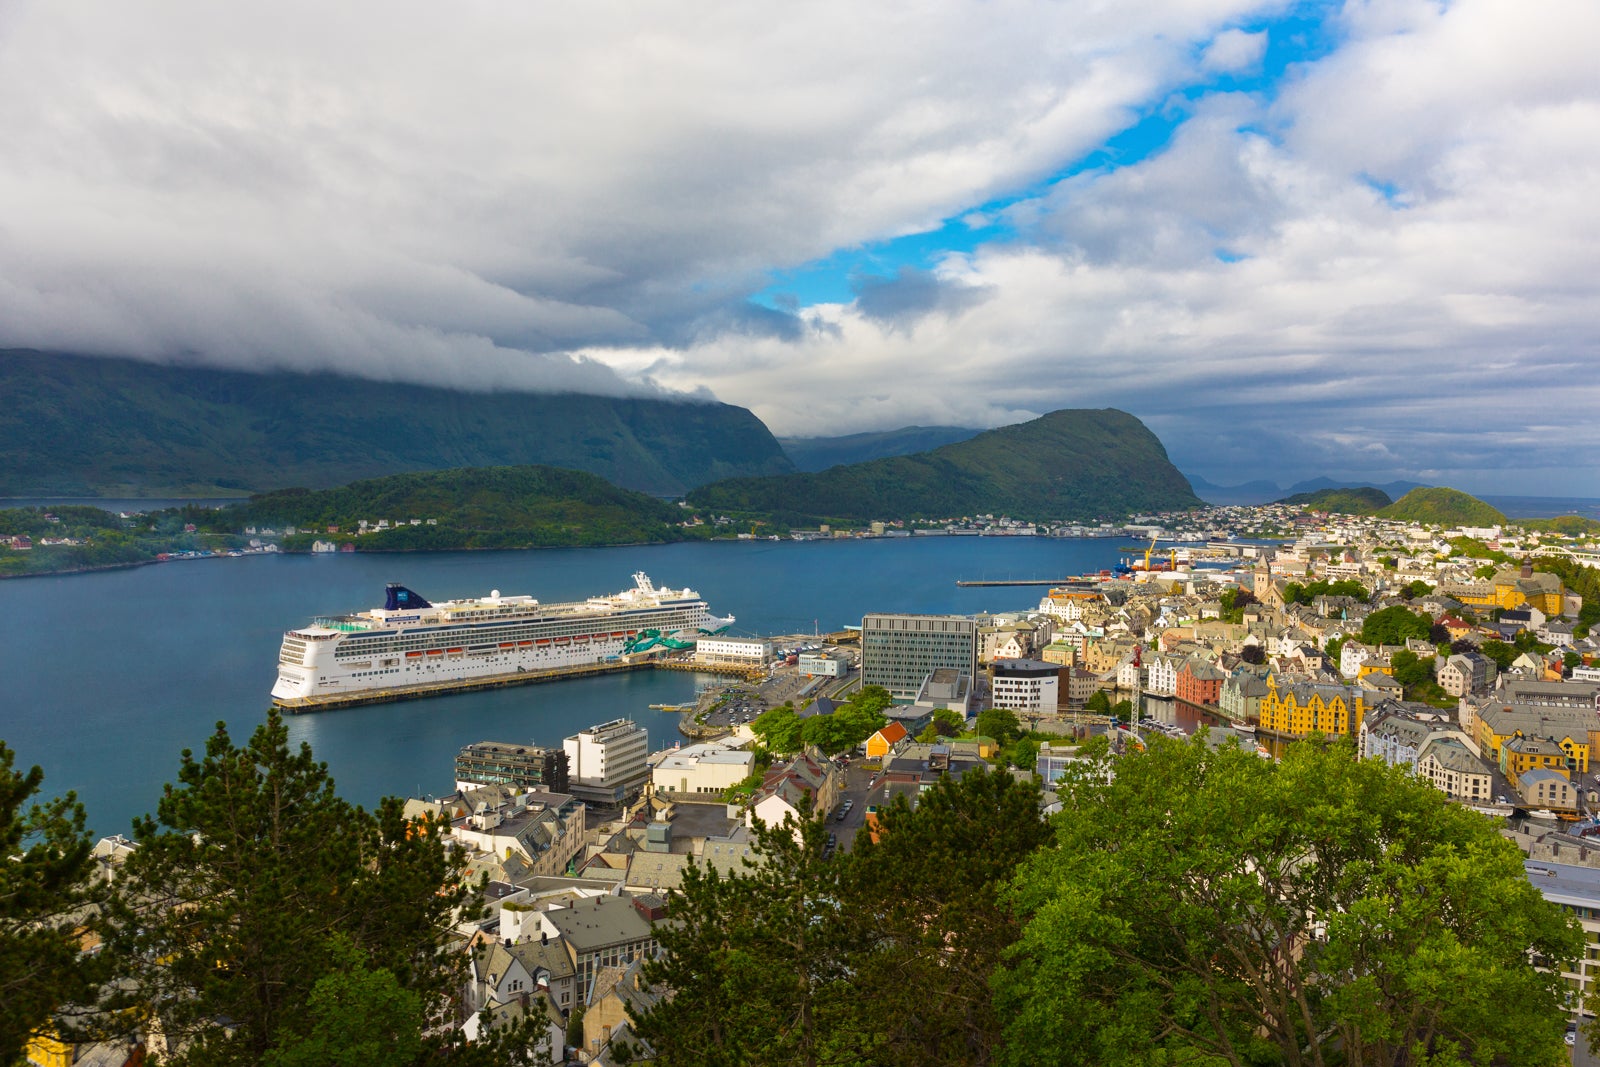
(404, 189)
(1234, 51)
(1380, 263)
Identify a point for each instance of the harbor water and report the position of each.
(105, 678)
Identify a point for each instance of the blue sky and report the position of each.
(1349, 239)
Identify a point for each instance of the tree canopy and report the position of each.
(313, 928)
(1204, 905)
(44, 886)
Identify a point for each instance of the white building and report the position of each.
(824, 664)
(1162, 679)
(606, 763)
(1029, 685)
(702, 768)
(741, 651)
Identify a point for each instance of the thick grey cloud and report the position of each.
(1386, 268)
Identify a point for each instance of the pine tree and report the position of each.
(44, 888)
(257, 898)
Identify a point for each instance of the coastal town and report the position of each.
(1459, 653)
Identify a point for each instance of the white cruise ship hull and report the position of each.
(435, 646)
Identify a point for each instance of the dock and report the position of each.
(334, 701)
(1079, 582)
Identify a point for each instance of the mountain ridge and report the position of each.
(1075, 463)
(97, 426)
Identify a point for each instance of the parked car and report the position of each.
(844, 810)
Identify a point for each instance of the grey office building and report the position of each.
(899, 651)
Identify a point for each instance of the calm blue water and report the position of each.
(105, 678)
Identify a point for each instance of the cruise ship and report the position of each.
(412, 644)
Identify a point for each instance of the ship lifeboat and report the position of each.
(452, 651)
(542, 641)
(581, 637)
(619, 633)
(633, 633)
(508, 644)
(435, 651)
(563, 640)
(524, 644)
(413, 655)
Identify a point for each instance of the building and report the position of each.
(1454, 770)
(1199, 682)
(607, 763)
(1546, 789)
(946, 688)
(733, 651)
(518, 766)
(545, 829)
(1465, 672)
(605, 931)
(883, 742)
(1027, 685)
(805, 783)
(899, 651)
(1300, 709)
(823, 664)
(702, 768)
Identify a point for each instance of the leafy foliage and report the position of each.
(1392, 625)
(44, 885)
(75, 425)
(1068, 463)
(230, 906)
(877, 956)
(1306, 593)
(1207, 906)
(1445, 507)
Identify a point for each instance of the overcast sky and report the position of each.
(1357, 240)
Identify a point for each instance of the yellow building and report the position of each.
(1522, 754)
(1515, 587)
(1301, 709)
(1564, 729)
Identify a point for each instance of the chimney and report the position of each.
(1527, 569)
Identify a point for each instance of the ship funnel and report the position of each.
(399, 598)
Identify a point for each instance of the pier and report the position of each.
(1066, 583)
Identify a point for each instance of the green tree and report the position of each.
(947, 722)
(44, 885)
(1207, 906)
(1502, 654)
(779, 729)
(930, 888)
(359, 1017)
(1000, 724)
(1099, 700)
(758, 960)
(1392, 625)
(251, 864)
(1411, 670)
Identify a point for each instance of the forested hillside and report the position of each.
(77, 425)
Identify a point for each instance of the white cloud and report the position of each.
(1396, 249)
(1235, 51)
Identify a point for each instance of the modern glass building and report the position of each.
(899, 651)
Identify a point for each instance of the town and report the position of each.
(1459, 653)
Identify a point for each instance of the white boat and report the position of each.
(412, 642)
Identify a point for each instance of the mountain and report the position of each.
(1395, 490)
(480, 507)
(83, 425)
(1068, 464)
(820, 453)
(1363, 501)
(1259, 491)
(1447, 507)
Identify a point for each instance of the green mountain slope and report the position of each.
(1363, 501)
(1068, 464)
(1447, 507)
(820, 453)
(481, 507)
(84, 425)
